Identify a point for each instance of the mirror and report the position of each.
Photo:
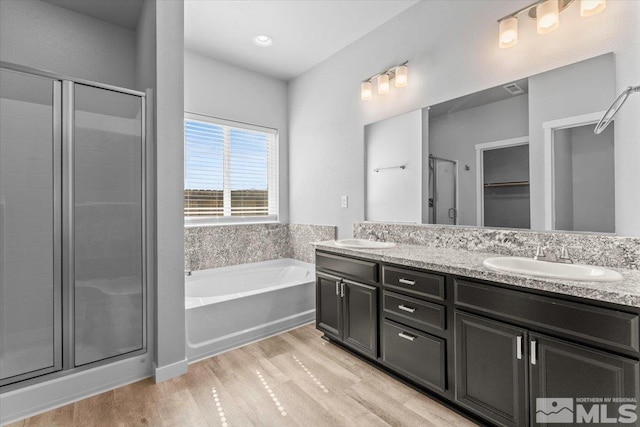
(519, 155)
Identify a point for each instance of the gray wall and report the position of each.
(221, 90)
(577, 89)
(394, 194)
(41, 35)
(327, 117)
(593, 180)
(584, 186)
(170, 315)
(454, 136)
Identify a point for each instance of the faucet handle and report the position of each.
(564, 251)
(539, 250)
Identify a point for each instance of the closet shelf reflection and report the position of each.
(506, 184)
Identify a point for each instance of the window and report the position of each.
(230, 171)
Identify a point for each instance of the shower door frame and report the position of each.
(64, 262)
(56, 169)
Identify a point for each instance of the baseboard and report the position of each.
(170, 371)
(37, 398)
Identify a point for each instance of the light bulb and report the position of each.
(591, 7)
(383, 84)
(401, 76)
(508, 32)
(548, 16)
(365, 90)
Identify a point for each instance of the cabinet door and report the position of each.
(328, 305)
(361, 317)
(490, 369)
(558, 369)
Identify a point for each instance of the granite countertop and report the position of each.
(468, 263)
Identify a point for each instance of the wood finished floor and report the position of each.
(293, 379)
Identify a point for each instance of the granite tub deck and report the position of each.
(468, 263)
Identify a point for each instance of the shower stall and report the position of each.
(443, 176)
(72, 225)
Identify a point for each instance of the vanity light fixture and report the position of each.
(397, 73)
(547, 16)
(366, 90)
(383, 84)
(591, 7)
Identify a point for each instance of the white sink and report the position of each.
(364, 244)
(555, 270)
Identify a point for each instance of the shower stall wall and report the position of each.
(72, 228)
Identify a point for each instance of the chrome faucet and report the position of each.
(543, 253)
(377, 237)
(187, 272)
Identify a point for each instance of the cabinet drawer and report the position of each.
(357, 269)
(414, 312)
(413, 282)
(596, 324)
(416, 355)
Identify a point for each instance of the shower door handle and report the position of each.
(453, 213)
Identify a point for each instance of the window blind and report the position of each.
(231, 171)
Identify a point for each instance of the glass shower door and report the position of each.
(443, 175)
(108, 224)
(30, 276)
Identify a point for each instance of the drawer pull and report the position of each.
(405, 308)
(406, 336)
(519, 347)
(407, 282)
(533, 352)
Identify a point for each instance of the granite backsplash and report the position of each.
(224, 245)
(593, 249)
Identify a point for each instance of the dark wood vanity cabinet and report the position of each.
(492, 350)
(414, 331)
(346, 309)
(491, 369)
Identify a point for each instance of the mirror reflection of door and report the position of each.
(442, 191)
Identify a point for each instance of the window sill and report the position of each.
(225, 224)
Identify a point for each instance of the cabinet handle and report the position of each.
(407, 282)
(405, 308)
(406, 336)
(342, 290)
(338, 288)
(533, 352)
(519, 347)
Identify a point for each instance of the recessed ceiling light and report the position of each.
(263, 40)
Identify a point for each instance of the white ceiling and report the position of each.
(304, 32)
(124, 13)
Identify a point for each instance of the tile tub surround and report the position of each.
(301, 235)
(224, 245)
(594, 249)
(466, 263)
